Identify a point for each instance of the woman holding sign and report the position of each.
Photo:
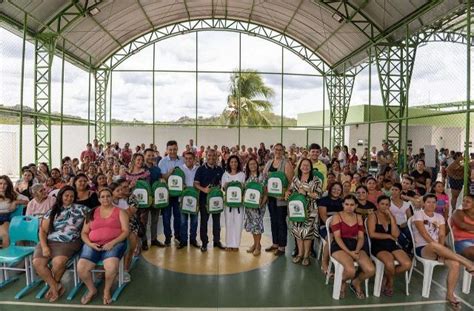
(304, 228)
(232, 182)
(254, 212)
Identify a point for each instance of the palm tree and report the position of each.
(248, 89)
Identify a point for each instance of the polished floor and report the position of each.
(164, 279)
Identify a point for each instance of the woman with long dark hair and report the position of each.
(104, 235)
(9, 200)
(234, 217)
(254, 217)
(85, 196)
(59, 240)
(304, 232)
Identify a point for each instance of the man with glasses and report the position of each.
(167, 165)
(207, 176)
(189, 168)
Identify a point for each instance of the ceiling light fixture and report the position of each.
(94, 11)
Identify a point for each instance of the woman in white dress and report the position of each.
(234, 216)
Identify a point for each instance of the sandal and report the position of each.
(297, 259)
(388, 292)
(251, 250)
(359, 294)
(88, 297)
(306, 262)
(455, 305)
(61, 291)
(257, 252)
(107, 300)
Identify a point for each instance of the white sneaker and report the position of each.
(126, 277)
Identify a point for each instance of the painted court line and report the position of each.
(444, 288)
(77, 306)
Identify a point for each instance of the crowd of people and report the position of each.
(88, 207)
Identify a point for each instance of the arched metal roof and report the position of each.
(339, 32)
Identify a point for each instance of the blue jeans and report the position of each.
(184, 228)
(173, 208)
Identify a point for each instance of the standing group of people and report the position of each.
(88, 209)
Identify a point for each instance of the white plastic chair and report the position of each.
(466, 276)
(428, 265)
(338, 269)
(380, 268)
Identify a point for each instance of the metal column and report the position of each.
(101, 79)
(395, 67)
(339, 88)
(45, 44)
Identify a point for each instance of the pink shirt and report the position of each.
(104, 230)
(35, 208)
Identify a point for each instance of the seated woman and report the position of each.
(85, 196)
(41, 202)
(347, 246)
(327, 207)
(463, 227)
(383, 233)
(429, 231)
(401, 210)
(24, 184)
(9, 201)
(104, 234)
(59, 240)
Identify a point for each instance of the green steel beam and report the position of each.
(395, 68)
(15, 25)
(45, 44)
(172, 30)
(101, 80)
(468, 137)
(40, 115)
(25, 20)
(52, 30)
(339, 88)
(387, 32)
(62, 107)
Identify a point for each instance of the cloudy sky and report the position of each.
(439, 76)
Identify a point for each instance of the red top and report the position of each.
(346, 230)
(88, 153)
(104, 230)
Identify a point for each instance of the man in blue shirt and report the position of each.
(207, 176)
(167, 165)
(155, 175)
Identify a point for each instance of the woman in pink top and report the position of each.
(372, 192)
(104, 235)
(463, 228)
(41, 202)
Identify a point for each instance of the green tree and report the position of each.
(249, 89)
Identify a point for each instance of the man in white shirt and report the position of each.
(189, 168)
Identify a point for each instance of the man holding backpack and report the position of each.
(167, 166)
(207, 176)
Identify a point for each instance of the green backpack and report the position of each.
(319, 175)
(142, 192)
(253, 194)
(160, 194)
(297, 205)
(176, 182)
(215, 201)
(189, 201)
(276, 184)
(233, 194)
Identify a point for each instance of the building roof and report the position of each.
(339, 32)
